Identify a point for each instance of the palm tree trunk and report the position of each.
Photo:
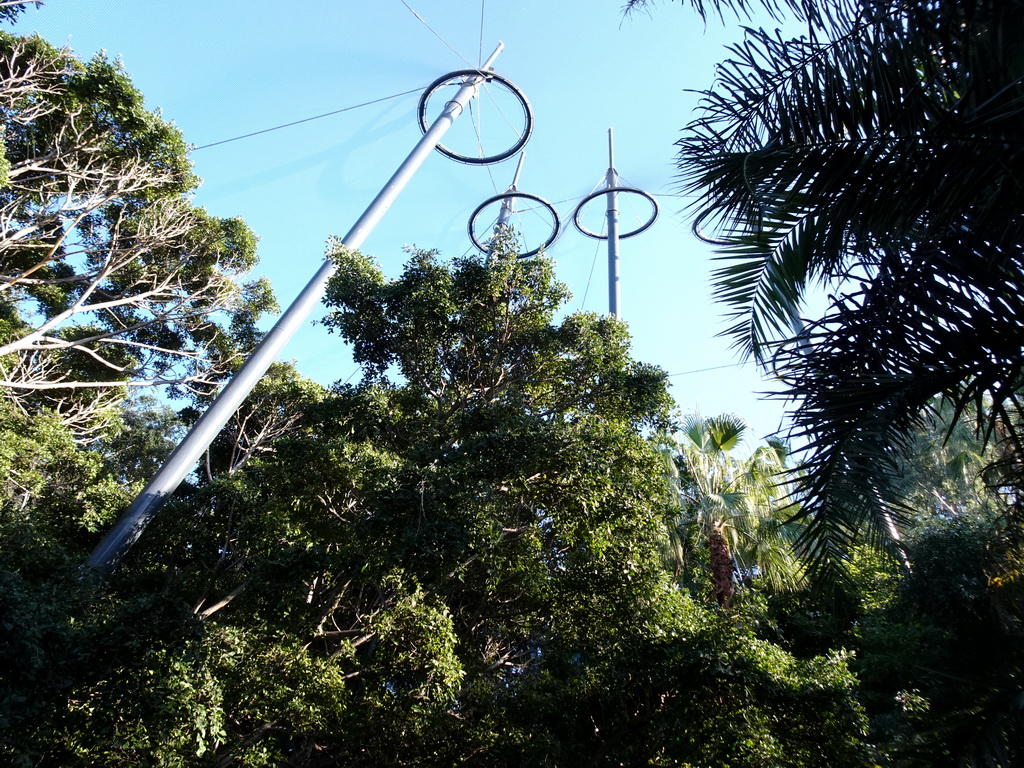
(721, 566)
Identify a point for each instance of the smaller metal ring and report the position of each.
(642, 228)
(421, 116)
(527, 196)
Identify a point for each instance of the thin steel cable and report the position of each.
(593, 265)
(480, 142)
(541, 214)
(475, 120)
(604, 218)
(501, 112)
(703, 370)
(630, 199)
(623, 181)
(437, 35)
(603, 182)
(568, 200)
(518, 213)
(556, 203)
(308, 119)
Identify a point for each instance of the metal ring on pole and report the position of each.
(627, 190)
(523, 136)
(555, 219)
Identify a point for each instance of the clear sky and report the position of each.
(223, 68)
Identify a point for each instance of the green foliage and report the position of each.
(459, 565)
(145, 436)
(876, 158)
(809, 10)
(936, 637)
(13, 10)
(52, 490)
(939, 657)
(732, 524)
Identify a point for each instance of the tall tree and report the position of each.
(454, 561)
(109, 276)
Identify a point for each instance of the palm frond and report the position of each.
(948, 322)
(803, 144)
(813, 11)
(738, 500)
(881, 157)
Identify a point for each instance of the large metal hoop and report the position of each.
(642, 228)
(526, 196)
(421, 115)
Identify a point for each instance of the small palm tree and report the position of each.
(733, 506)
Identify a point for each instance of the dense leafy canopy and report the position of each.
(459, 560)
(454, 561)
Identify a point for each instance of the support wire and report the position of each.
(439, 37)
(308, 119)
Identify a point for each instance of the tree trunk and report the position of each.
(721, 566)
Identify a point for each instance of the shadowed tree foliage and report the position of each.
(11, 9)
(879, 158)
(876, 163)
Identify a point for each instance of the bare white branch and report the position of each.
(113, 278)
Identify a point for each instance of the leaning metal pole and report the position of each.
(613, 232)
(130, 526)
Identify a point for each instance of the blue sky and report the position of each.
(223, 68)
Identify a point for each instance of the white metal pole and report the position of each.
(505, 214)
(613, 232)
(129, 527)
(506, 205)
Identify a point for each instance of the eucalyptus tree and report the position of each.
(110, 277)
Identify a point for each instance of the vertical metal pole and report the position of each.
(131, 524)
(505, 214)
(613, 233)
(506, 205)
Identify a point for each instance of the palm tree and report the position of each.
(880, 156)
(732, 506)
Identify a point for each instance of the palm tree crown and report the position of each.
(732, 506)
